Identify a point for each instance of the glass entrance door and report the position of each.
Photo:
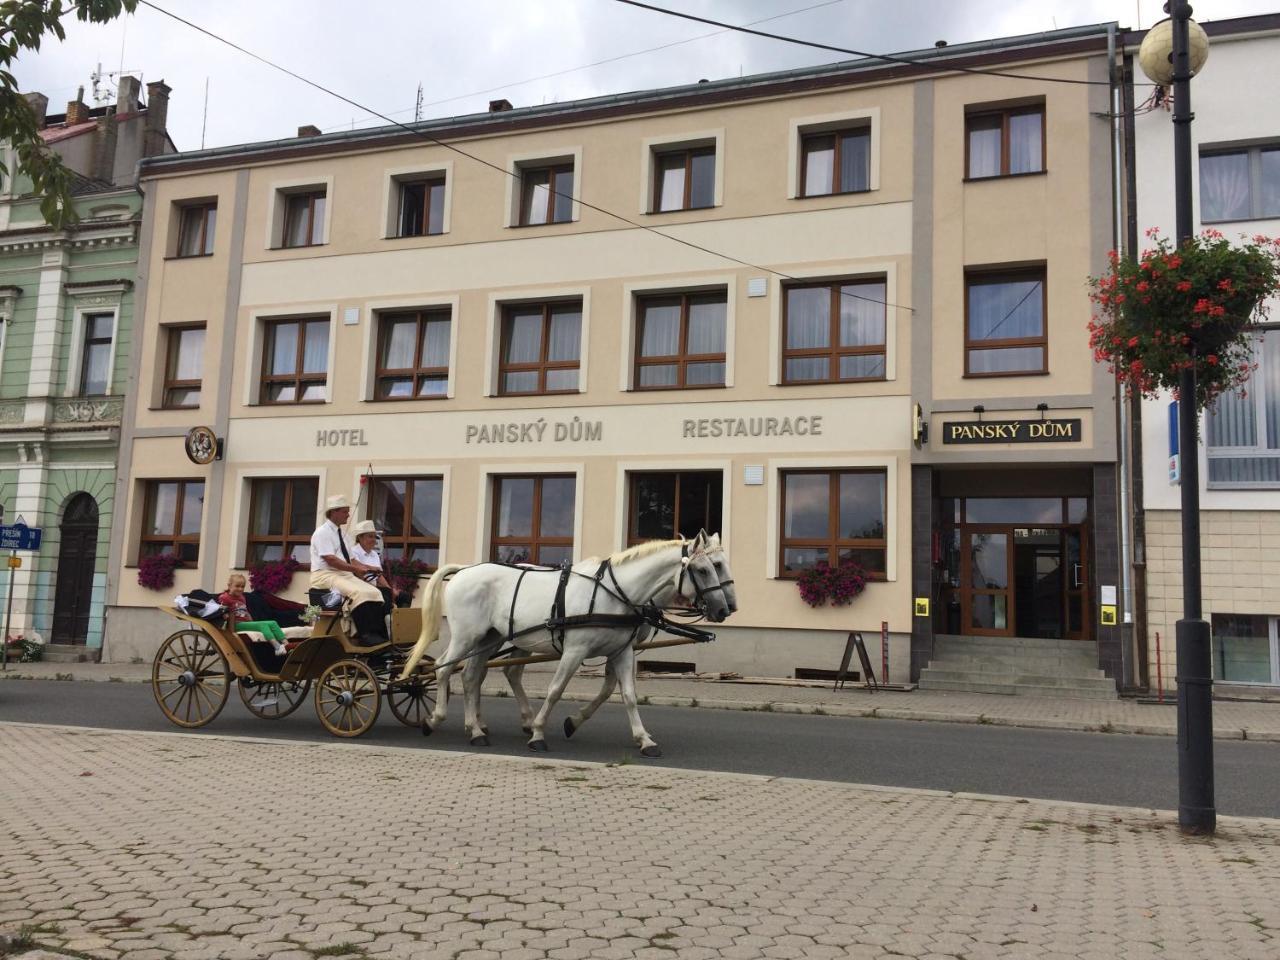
(1077, 577)
(985, 574)
(1039, 582)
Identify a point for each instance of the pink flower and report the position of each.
(1184, 286)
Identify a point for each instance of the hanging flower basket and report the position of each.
(403, 575)
(273, 576)
(155, 571)
(822, 582)
(1191, 307)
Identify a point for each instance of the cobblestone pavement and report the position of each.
(152, 846)
(1232, 720)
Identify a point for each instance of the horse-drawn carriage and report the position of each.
(500, 615)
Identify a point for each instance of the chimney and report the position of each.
(499, 106)
(39, 105)
(127, 92)
(308, 130)
(107, 134)
(155, 138)
(77, 109)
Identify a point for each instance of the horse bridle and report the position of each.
(699, 591)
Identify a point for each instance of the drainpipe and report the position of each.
(1122, 407)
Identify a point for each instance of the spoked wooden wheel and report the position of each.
(347, 698)
(413, 700)
(190, 678)
(273, 701)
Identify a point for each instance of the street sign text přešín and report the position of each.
(19, 537)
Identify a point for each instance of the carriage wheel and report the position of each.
(287, 694)
(190, 678)
(347, 698)
(414, 700)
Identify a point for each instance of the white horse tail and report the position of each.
(432, 602)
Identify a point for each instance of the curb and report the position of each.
(816, 709)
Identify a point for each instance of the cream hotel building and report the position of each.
(838, 312)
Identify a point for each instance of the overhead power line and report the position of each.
(423, 135)
(941, 67)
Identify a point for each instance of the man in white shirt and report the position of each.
(333, 567)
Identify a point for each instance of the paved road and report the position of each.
(1088, 767)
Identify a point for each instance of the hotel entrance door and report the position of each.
(1027, 578)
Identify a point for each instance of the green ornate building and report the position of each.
(66, 319)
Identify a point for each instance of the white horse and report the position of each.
(489, 602)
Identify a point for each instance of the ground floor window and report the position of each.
(406, 511)
(282, 517)
(1246, 648)
(669, 504)
(533, 519)
(834, 516)
(171, 515)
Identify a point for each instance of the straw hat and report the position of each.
(336, 502)
(363, 527)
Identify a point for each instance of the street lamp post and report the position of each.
(1170, 45)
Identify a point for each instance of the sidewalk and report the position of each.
(1232, 720)
(168, 846)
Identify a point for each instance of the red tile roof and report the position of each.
(55, 134)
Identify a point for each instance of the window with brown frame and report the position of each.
(196, 229)
(421, 207)
(680, 341)
(183, 368)
(1004, 328)
(295, 360)
(834, 331)
(171, 514)
(532, 519)
(413, 355)
(303, 219)
(1004, 143)
(546, 194)
(407, 512)
(95, 359)
(835, 161)
(667, 504)
(541, 347)
(282, 517)
(834, 516)
(684, 179)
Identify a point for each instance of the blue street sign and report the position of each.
(19, 537)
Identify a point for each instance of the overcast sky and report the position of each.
(377, 51)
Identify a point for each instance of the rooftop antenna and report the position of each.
(204, 124)
(417, 107)
(99, 93)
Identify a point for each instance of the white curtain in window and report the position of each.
(1025, 150)
(315, 352)
(862, 314)
(1224, 186)
(566, 334)
(435, 344)
(855, 161)
(984, 147)
(661, 333)
(400, 343)
(808, 318)
(1005, 309)
(524, 337)
(706, 326)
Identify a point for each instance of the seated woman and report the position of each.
(365, 551)
(238, 615)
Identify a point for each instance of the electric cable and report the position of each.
(514, 174)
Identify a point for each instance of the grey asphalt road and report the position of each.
(1088, 767)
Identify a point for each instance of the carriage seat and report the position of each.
(316, 597)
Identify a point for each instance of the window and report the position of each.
(407, 512)
(171, 515)
(680, 341)
(532, 519)
(295, 360)
(1244, 426)
(1005, 324)
(834, 332)
(1246, 648)
(546, 194)
(95, 361)
(1003, 143)
(196, 229)
(684, 179)
(282, 517)
(838, 161)
(834, 516)
(666, 505)
(303, 219)
(184, 366)
(540, 348)
(1240, 184)
(413, 355)
(421, 207)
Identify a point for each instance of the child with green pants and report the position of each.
(238, 612)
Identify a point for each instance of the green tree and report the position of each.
(23, 25)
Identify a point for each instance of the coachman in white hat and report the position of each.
(334, 567)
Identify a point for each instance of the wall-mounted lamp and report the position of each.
(1042, 407)
(979, 409)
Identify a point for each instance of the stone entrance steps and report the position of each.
(1017, 666)
(68, 653)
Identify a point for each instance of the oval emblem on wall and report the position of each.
(202, 445)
